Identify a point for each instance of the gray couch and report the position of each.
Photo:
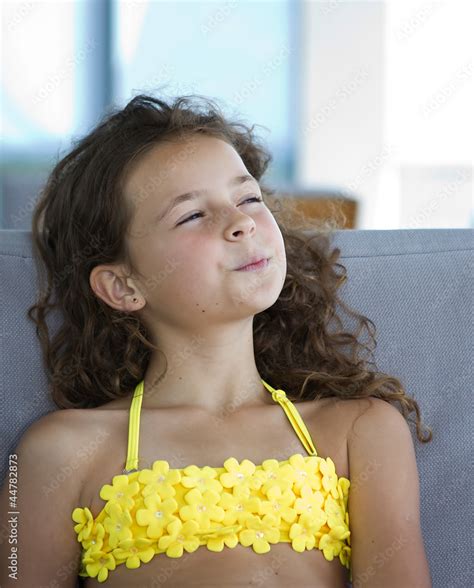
(415, 284)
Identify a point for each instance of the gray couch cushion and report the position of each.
(415, 284)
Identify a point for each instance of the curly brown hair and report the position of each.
(99, 353)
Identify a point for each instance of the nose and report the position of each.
(240, 224)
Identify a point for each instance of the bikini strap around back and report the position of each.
(134, 429)
(294, 417)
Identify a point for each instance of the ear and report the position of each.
(110, 285)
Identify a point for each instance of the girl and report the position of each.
(221, 427)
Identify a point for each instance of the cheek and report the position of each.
(275, 237)
(195, 257)
(194, 248)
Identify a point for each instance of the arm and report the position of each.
(386, 538)
(47, 492)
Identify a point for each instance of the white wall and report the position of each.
(386, 115)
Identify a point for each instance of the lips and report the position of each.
(252, 260)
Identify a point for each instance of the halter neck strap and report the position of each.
(278, 395)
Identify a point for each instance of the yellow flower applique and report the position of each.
(218, 537)
(159, 479)
(334, 512)
(240, 475)
(304, 533)
(121, 491)
(348, 526)
(331, 543)
(343, 490)
(85, 520)
(329, 480)
(201, 478)
(260, 532)
(118, 524)
(180, 536)
(157, 515)
(202, 507)
(96, 539)
(310, 501)
(305, 471)
(272, 474)
(279, 503)
(134, 551)
(238, 507)
(98, 564)
(345, 556)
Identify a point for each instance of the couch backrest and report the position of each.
(414, 284)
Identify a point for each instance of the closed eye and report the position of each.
(198, 214)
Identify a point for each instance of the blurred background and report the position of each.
(364, 105)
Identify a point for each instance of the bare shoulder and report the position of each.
(349, 411)
(70, 443)
(371, 416)
(51, 429)
(56, 422)
(348, 418)
(46, 484)
(61, 436)
(340, 413)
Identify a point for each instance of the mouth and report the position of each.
(255, 266)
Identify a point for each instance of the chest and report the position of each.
(185, 439)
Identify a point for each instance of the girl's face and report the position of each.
(187, 249)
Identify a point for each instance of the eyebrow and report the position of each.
(237, 181)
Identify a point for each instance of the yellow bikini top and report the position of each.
(299, 500)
